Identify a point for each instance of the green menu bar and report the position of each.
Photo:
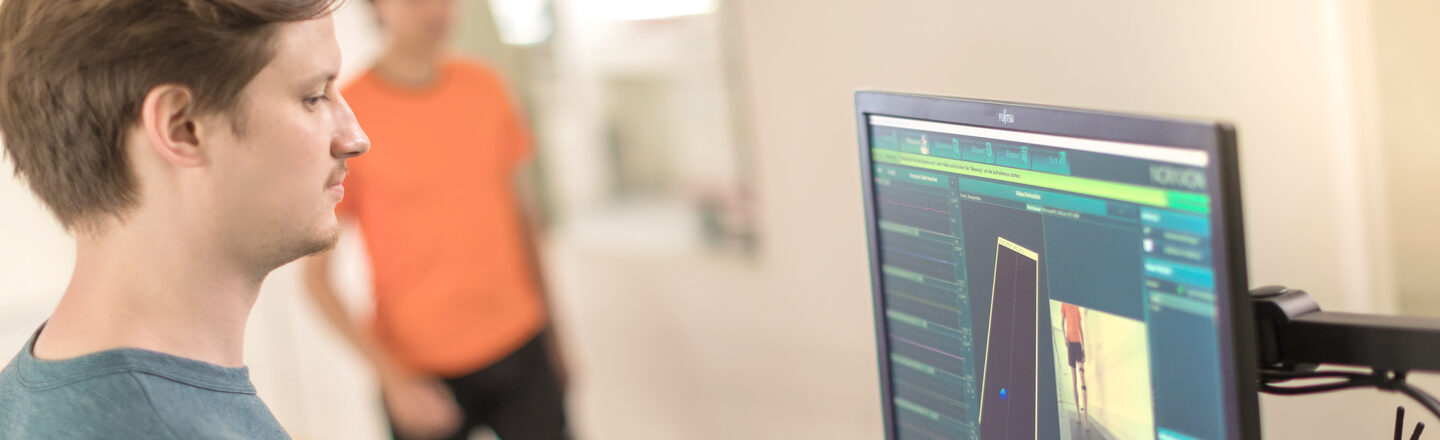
(1143, 195)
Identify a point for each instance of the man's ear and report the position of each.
(168, 119)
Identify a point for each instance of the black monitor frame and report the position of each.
(1234, 314)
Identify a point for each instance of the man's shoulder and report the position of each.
(127, 401)
(104, 405)
(197, 409)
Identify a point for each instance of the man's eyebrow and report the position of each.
(323, 78)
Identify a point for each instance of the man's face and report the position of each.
(414, 23)
(278, 179)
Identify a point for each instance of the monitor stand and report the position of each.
(1294, 338)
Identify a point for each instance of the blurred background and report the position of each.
(705, 239)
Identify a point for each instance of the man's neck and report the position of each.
(411, 67)
(130, 290)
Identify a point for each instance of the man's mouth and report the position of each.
(337, 177)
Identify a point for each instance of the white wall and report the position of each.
(1407, 68)
(36, 258)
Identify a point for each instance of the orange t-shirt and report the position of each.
(1072, 323)
(454, 287)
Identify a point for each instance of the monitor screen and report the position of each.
(1031, 284)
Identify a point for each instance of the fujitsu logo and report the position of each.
(1006, 117)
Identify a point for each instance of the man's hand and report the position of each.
(421, 407)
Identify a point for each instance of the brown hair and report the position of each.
(74, 73)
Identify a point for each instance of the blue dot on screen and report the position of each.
(1004, 394)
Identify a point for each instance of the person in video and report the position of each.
(1075, 347)
(191, 147)
(460, 338)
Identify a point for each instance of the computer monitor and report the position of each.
(1051, 273)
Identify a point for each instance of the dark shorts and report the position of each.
(518, 397)
(1077, 352)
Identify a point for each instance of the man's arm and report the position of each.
(532, 219)
(322, 292)
(419, 406)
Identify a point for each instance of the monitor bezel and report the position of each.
(1234, 315)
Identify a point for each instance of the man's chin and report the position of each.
(313, 243)
(285, 245)
(323, 242)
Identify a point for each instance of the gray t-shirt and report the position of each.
(129, 393)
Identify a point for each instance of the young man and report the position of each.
(191, 146)
(459, 337)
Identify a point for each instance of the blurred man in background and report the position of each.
(460, 335)
(190, 158)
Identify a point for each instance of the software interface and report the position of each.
(1038, 286)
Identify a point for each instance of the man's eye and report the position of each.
(313, 100)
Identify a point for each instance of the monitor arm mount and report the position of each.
(1294, 338)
